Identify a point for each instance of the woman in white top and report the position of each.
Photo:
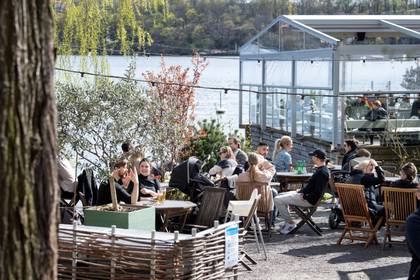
(226, 165)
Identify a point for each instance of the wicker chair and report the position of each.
(265, 205)
(399, 204)
(355, 210)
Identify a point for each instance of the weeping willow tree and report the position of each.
(100, 27)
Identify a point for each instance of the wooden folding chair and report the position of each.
(305, 213)
(355, 211)
(265, 205)
(399, 204)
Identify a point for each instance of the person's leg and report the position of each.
(289, 198)
(413, 241)
(274, 214)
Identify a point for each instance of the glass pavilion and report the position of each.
(300, 72)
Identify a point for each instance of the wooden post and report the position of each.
(153, 256)
(113, 193)
(74, 253)
(113, 264)
(177, 255)
(216, 224)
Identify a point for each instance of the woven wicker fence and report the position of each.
(89, 253)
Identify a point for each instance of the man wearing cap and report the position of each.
(308, 196)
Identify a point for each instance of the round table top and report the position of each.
(167, 204)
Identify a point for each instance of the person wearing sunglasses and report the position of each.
(226, 165)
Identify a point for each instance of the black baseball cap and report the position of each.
(319, 154)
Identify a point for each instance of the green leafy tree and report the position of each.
(95, 118)
(411, 78)
(205, 140)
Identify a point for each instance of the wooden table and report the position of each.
(286, 178)
(169, 209)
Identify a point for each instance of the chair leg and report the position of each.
(261, 237)
(254, 225)
(342, 236)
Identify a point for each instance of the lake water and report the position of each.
(224, 72)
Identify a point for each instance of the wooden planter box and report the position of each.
(136, 219)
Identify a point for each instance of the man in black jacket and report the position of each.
(413, 240)
(307, 196)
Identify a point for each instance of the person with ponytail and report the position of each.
(281, 157)
(258, 171)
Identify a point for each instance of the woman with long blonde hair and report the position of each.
(281, 157)
(258, 171)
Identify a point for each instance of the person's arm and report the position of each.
(135, 180)
(148, 192)
(215, 170)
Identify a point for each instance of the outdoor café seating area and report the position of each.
(173, 235)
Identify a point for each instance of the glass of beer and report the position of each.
(161, 195)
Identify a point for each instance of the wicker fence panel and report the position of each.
(96, 255)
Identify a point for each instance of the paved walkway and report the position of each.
(304, 255)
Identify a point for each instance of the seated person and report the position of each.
(361, 155)
(415, 108)
(413, 241)
(125, 182)
(370, 181)
(408, 177)
(262, 149)
(240, 155)
(227, 164)
(377, 112)
(350, 147)
(149, 186)
(281, 156)
(66, 178)
(307, 196)
(258, 171)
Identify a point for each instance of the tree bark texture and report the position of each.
(28, 180)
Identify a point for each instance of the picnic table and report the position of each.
(169, 209)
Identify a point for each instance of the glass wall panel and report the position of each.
(278, 106)
(250, 106)
(379, 75)
(314, 73)
(283, 37)
(252, 72)
(314, 115)
(278, 73)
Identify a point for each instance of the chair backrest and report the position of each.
(245, 189)
(353, 202)
(252, 211)
(211, 207)
(399, 204)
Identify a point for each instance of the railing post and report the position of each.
(74, 253)
(153, 256)
(113, 264)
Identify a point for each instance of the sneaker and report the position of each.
(281, 227)
(287, 228)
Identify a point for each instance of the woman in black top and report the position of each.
(350, 146)
(125, 182)
(408, 175)
(149, 186)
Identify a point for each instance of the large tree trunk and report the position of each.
(28, 181)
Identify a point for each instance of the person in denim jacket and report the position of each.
(281, 157)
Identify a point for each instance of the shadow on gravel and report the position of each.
(381, 272)
(349, 252)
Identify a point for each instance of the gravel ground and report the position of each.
(305, 255)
